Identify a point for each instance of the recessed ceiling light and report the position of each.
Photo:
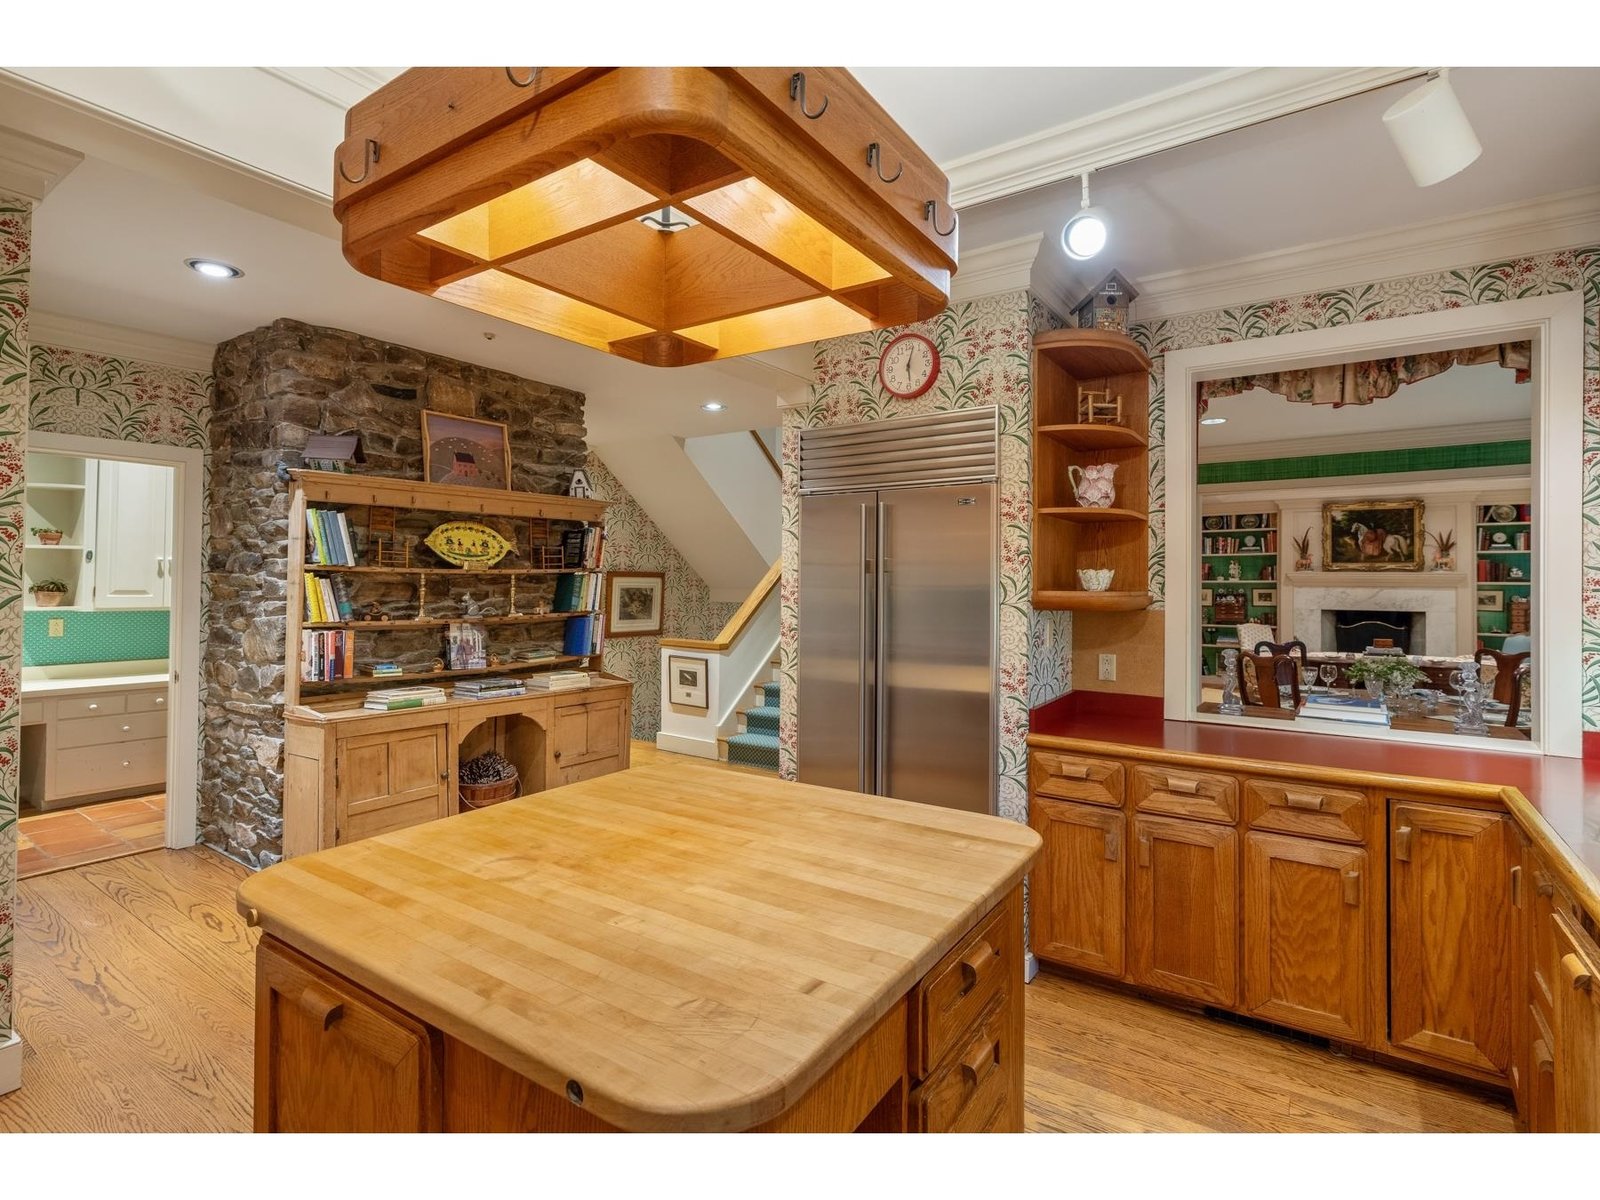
(212, 269)
(711, 406)
(1213, 420)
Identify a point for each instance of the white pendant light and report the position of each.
(1432, 132)
(1086, 234)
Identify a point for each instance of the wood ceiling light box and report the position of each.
(518, 192)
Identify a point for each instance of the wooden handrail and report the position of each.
(767, 454)
(736, 623)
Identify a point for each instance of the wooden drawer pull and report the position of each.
(981, 1061)
(1543, 1061)
(1578, 974)
(1113, 845)
(1184, 787)
(1144, 849)
(1311, 801)
(1075, 771)
(320, 1006)
(974, 963)
(1516, 887)
(1352, 888)
(1402, 843)
(1543, 884)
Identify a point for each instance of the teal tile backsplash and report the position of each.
(94, 637)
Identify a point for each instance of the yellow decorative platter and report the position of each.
(467, 544)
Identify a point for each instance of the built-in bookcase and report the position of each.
(1248, 540)
(1503, 553)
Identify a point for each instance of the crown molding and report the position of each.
(990, 270)
(1218, 103)
(1527, 227)
(75, 333)
(338, 86)
(30, 167)
(1358, 443)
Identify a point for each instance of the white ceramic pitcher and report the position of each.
(1093, 485)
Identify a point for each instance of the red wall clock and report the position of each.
(908, 366)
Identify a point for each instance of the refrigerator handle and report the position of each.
(881, 667)
(864, 732)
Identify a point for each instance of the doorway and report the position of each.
(111, 650)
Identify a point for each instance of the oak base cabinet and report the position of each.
(1576, 1082)
(1183, 932)
(1079, 885)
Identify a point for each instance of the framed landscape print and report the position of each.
(1491, 600)
(686, 680)
(634, 603)
(1264, 597)
(1372, 535)
(465, 452)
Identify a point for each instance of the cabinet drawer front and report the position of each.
(401, 814)
(101, 731)
(968, 1091)
(1073, 777)
(148, 701)
(32, 712)
(1197, 795)
(91, 706)
(960, 986)
(592, 769)
(112, 768)
(1310, 810)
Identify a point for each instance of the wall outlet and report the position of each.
(1108, 666)
(58, 627)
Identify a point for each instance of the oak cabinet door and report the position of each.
(1183, 932)
(1078, 885)
(332, 1059)
(1450, 934)
(1577, 1031)
(387, 781)
(1305, 934)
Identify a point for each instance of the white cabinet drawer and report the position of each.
(99, 731)
(91, 706)
(33, 712)
(112, 768)
(154, 701)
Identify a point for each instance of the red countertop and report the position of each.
(1563, 792)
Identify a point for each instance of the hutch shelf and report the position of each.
(1067, 536)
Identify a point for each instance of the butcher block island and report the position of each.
(668, 948)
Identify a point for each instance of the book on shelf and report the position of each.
(389, 699)
(559, 681)
(581, 547)
(466, 646)
(584, 636)
(1355, 709)
(327, 654)
(328, 542)
(577, 593)
(489, 683)
(494, 694)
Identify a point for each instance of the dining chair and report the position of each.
(1269, 673)
(1505, 683)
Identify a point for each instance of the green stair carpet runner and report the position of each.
(757, 746)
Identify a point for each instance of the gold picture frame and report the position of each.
(1372, 535)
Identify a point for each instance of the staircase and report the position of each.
(757, 745)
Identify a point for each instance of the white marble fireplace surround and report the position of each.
(1438, 604)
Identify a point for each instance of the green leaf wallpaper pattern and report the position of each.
(16, 232)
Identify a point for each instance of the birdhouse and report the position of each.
(1108, 305)
(581, 486)
(333, 452)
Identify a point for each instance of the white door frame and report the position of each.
(1554, 324)
(183, 651)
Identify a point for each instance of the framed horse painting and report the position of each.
(1372, 535)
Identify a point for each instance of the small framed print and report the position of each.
(686, 681)
(1205, 597)
(1491, 600)
(1264, 597)
(465, 452)
(634, 603)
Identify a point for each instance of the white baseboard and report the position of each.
(1030, 967)
(676, 743)
(10, 1063)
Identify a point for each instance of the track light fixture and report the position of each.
(1432, 132)
(1085, 235)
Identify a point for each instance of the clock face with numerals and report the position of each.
(909, 365)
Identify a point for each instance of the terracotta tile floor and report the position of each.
(93, 833)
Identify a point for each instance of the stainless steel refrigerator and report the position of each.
(897, 642)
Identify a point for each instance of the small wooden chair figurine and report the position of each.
(1099, 408)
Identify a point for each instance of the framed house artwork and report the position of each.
(634, 603)
(1372, 535)
(686, 681)
(465, 452)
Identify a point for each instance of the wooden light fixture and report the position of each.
(668, 215)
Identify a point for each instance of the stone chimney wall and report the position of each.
(275, 386)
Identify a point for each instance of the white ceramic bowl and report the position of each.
(1097, 580)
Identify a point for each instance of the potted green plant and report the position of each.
(48, 593)
(46, 536)
(1386, 676)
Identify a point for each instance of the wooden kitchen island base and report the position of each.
(669, 948)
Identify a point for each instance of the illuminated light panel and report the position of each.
(516, 300)
(810, 320)
(752, 211)
(559, 204)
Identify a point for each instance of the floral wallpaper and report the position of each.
(1574, 270)
(16, 227)
(984, 346)
(635, 543)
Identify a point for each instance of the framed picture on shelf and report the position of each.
(1491, 600)
(686, 680)
(1213, 522)
(1250, 521)
(1264, 597)
(635, 601)
(465, 452)
(1372, 535)
(1205, 597)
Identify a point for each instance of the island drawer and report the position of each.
(91, 706)
(961, 986)
(968, 1093)
(100, 731)
(1307, 809)
(112, 768)
(1075, 777)
(1197, 795)
(155, 701)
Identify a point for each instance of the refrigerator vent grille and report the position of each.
(950, 447)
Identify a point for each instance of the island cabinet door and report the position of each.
(1183, 931)
(1305, 934)
(331, 1058)
(1577, 1031)
(1451, 934)
(387, 781)
(1078, 885)
(589, 740)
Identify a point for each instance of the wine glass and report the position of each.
(1308, 679)
(1329, 673)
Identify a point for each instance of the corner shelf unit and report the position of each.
(1068, 537)
(325, 489)
(1500, 547)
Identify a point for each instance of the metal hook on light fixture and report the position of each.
(664, 221)
(932, 207)
(369, 159)
(797, 91)
(875, 161)
(532, 79)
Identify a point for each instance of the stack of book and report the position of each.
(1353, 708)
(577, 593)
(328, 541)
(327, 599)
(559, 681)
(327, 654)
(584, 636)
(581, 547)
(492, 688)
(389, 699)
